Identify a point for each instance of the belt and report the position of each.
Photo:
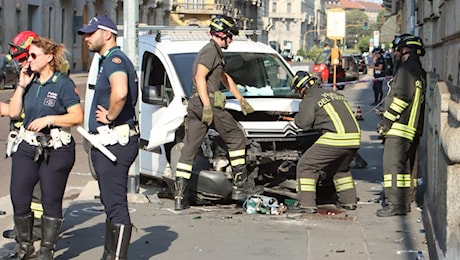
(56, 138)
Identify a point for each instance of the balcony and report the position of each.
(193, 8)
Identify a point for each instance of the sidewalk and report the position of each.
(228, 233)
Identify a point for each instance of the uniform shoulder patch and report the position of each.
(116, 60)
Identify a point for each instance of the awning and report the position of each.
(390, 29)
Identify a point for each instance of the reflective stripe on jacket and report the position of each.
(329, 112)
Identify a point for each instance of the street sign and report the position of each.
(376, 38)
(335, 23)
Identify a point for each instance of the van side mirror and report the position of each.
(151, 95)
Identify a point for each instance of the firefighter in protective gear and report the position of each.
(330, 156)
(19, 51)
(206, 109)
(402, 126)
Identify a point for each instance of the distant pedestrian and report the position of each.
(112, 117)
(402, 126)
(379, 71)
(330, 156)
(45, 149)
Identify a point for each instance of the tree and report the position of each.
(363, 44)
(354, 31)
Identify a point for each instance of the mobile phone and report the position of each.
(29, 71)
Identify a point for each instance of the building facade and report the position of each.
(439, 155)
(60, 19)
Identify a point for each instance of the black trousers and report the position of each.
(378, 90)
(113, 178)
(53, 175)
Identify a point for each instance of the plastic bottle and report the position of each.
(420, 256)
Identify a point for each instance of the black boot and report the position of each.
(118, 244)
(23, 226)
(181, 194)
(392, 210)
(108, 238)
(50, 233)
(243, 186)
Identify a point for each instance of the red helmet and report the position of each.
(20, 46)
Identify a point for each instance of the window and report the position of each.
(288, 8)
(274, 7)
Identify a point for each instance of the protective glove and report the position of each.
(207, 115)
(383, 126)
(246, 108)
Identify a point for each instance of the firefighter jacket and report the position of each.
(404, 109)
(330, 113)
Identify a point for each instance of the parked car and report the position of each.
(351, 67)
(9, 72)
(361, 61)
(323, 68)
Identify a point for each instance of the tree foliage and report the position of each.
(354, 27)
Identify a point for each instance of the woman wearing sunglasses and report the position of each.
(44, 150)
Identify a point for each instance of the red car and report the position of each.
(325, 70)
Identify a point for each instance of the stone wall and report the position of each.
(439, 164)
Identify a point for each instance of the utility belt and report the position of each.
(55, 139)
(118, 134)
(218, 97)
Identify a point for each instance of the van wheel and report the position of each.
(341, 87)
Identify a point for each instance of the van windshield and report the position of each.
(256, 74)
(323, 57)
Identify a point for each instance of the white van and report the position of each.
(274, 143)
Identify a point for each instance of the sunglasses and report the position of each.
(35, 55)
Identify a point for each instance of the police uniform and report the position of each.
(53, 97)
(330, 156)
(378, 84)
(211, 57)
(112, 176)
(403, 117)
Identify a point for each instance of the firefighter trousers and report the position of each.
(398, 160)
(223, 123)
(320, 162)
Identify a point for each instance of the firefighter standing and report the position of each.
(206, 108)
(112, 116)
(331, 154)
(402, 126)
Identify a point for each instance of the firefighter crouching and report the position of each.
(330, 156)
(402, 125)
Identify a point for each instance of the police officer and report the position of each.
(112, 117)
(206, 109)
(379, 71)
(402, 125)
(45, 149)
(19, 51)
(330, 156)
